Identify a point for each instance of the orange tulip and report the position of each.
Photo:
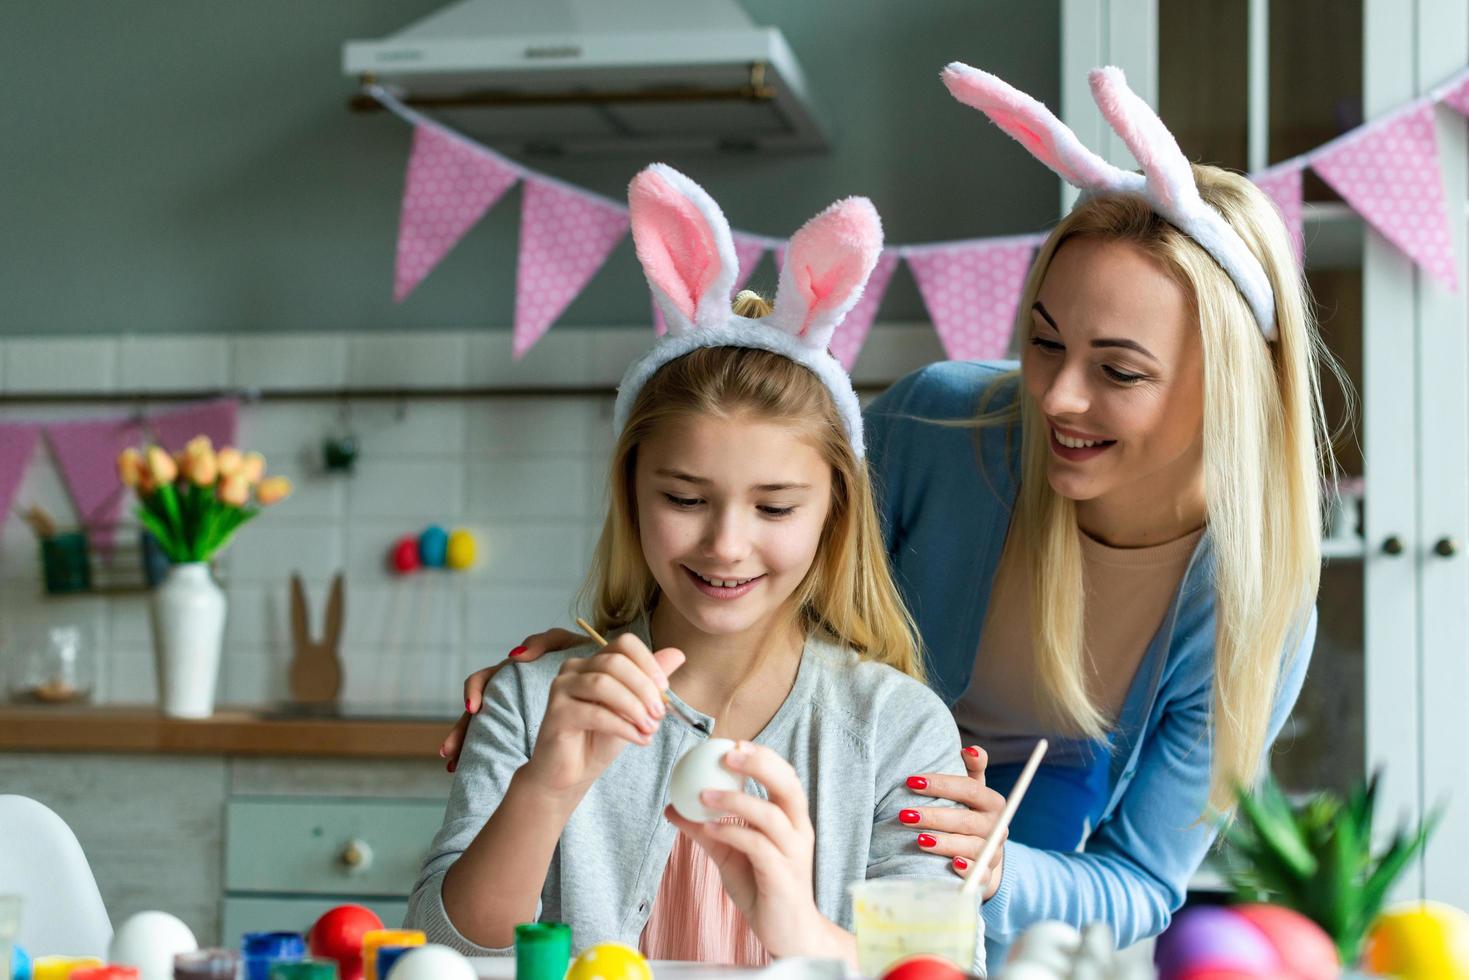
(130, 467)
(234, 490)
(253, 467)
(273, 490)
(161, 465)
(229, 460)
(201, 468)
(198, 446)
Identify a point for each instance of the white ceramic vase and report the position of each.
(188, 631)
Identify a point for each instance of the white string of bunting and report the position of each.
(1387, 170)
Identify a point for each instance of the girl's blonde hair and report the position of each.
(848, 593)
(1264, 448)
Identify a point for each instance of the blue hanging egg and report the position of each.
(433, 546)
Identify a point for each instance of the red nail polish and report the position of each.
(961, 864)
(926, 840)
(467, 707)
(517, 651)
(909, 816)
(917, 782)
(970, 750)
(452, 766)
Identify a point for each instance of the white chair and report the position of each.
(42, 862)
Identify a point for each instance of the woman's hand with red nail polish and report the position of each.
(960, 832)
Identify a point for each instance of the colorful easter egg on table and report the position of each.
(702, 767)
(1304, 947)
(337, 936)
(405, 555)
(150, 941)
(432, 962)
(1418, 941)
(608, 961)
(433, 544)
(462, 549)
(1216, 938)
(923, 967)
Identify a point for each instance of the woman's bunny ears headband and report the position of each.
(684, 244)
(1167, 180)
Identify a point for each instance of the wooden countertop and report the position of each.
(232, 731)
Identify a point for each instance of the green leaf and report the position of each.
(1269, 812)
(161, 534)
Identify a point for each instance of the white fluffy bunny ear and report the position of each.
(684, 245)
(1171, 190)
(1037, 129)
(826, 265)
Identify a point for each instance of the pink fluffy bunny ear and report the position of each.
(1037, 129)
(685, 247)
(826, 265)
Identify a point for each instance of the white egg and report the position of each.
(150, 941)
(701, 768)
(432, 962)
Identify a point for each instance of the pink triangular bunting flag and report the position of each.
(851, 333)
(565, 236)
(1283, 186)
(1458, 98)
(17, 443)
(748, 253)
(86, 453)
(216, 419)
(449, 186)
(971, 291)
(1389, 174)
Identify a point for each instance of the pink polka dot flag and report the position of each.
(748, 253)
(1458, 98)
(449, 187)
(971, 292)
(86, 451)
(17, 442)
(1389, 174)
(565, 236)
(1283, 186)
(851, 333)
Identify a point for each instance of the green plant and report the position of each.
(1316, 856)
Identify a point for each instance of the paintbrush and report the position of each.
(587, 628)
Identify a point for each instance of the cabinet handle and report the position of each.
(1446, 547)
(356, 856)
(1392, 545)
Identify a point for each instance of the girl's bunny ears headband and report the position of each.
(684, 244)
(1167, 180)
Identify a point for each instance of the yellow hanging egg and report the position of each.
(462, 549)
(1420, 941)
(609, 961)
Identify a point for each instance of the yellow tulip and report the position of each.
(253, 467)
(234, 490)
(273, 490)
(201, 469)
(228, 460)
(130, 467)
(161, 465)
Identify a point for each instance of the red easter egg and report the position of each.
(924, 966)
(337, 936)
(1304, 947)
(1208, 971)
(405, 555)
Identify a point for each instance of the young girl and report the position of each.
(742, 562)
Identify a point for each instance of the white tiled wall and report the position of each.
(525, 473)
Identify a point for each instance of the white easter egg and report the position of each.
(150, 941)
(701, 768)
(432, 962)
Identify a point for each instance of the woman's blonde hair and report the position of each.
(1264, 449)
(848, 593)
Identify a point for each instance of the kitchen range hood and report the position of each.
(597, 77)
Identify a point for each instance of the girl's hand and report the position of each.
(959, 832)
(532, 648)
(765, 858)
(597, 706)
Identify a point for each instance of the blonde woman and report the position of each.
(1115, 546)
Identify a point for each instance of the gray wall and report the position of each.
(189, 165)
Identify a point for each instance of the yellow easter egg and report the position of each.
(462, 548)
(609, 961)
(1419, 941)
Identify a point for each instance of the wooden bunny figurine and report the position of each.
(316, 672)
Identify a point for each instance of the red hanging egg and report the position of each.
(405, 555)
